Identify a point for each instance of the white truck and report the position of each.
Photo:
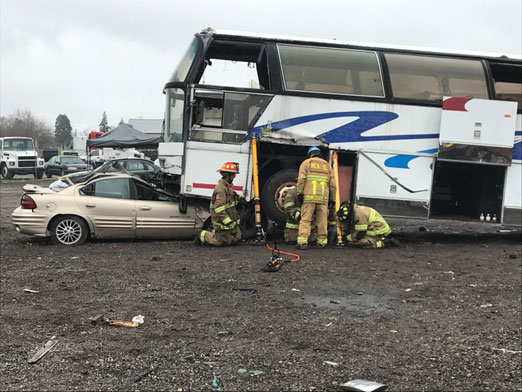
(18, 155)
(100, 156)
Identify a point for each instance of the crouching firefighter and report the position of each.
(364, 227)
(223, 211)
(293, 216)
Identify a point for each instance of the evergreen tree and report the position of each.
(63, 130)
(104, 126)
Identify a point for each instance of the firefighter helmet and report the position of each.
(313, 151)
(230, 167)
(345, 210)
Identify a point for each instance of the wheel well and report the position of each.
(76, 216)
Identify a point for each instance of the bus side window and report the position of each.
(431, 77)
(508, 82)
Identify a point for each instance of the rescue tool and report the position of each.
(337, 198)
(260, 235)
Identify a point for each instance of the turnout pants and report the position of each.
(369, 241)
(308, 210)
(220, 237)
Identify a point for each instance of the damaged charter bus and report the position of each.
(419, 133)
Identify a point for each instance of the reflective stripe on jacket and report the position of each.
(316, 181)
(366, 219)
(223, 210)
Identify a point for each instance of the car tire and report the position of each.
(6, 173)
(47, 174)
(271, 195)
(39, 174)
(68, 230)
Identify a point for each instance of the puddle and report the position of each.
(357, 303)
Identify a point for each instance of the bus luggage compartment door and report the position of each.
(477, 130)
(395, 185)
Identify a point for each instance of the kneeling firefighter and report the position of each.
(223, 211)
(364, 227)
(293, 216)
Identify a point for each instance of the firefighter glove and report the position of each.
(296, 215)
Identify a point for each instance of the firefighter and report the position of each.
(364, 227)
(223, 212)
(316, 192)
(293, 216)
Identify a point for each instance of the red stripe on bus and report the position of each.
(455, 103)
(212, 186)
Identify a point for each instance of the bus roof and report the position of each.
(302, 40)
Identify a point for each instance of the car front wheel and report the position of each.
(68, 230)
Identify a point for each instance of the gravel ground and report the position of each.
(441, 312)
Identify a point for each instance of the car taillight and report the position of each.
(27, 203)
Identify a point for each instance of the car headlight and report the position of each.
(40, 162)
(11, 163)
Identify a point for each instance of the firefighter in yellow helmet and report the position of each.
(316, 189)
(364, 227)
(293, 216)
(223, 211)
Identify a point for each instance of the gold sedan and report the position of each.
(116, 206)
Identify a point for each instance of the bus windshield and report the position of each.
(183, 67)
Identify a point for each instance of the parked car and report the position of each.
(141, 168)
(63, 164)
(108, 205)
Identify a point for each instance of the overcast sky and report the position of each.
(84, 57)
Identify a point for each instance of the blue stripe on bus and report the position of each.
(402, 161)
(349, 132)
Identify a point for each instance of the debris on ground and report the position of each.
(44, 350)
(363, 386)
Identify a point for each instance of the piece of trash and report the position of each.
(422, 228)
(256, 372)
(241, 370)
(397, 341)
(327, 325)
(449, 272)
(408, 289)
(486, 305)
(44, 350)
(138, 319)
(75, 257)
(31, 291)
(215, 384)
(505, 350)
(393, 331)
(513, 256)
(418, 283)
(296, 290)
(473, 285)
(331, 363)
(505, 230)
(363, 386)
(101, 319)
(333, 301)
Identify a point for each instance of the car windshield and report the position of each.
(18, 144)
(72, 161)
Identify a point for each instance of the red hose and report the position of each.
(296, 256)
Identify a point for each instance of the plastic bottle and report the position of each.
(494, 217)
(488, 218)
(482, 216)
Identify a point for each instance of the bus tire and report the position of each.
(272, 194)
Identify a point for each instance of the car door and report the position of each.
(109, 204)
(158, 215)
(136, 168)
(51, 165)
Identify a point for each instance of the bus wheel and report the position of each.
(272, 194)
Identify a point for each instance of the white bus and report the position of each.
(419, 133)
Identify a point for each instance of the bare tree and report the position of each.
(24, 123)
